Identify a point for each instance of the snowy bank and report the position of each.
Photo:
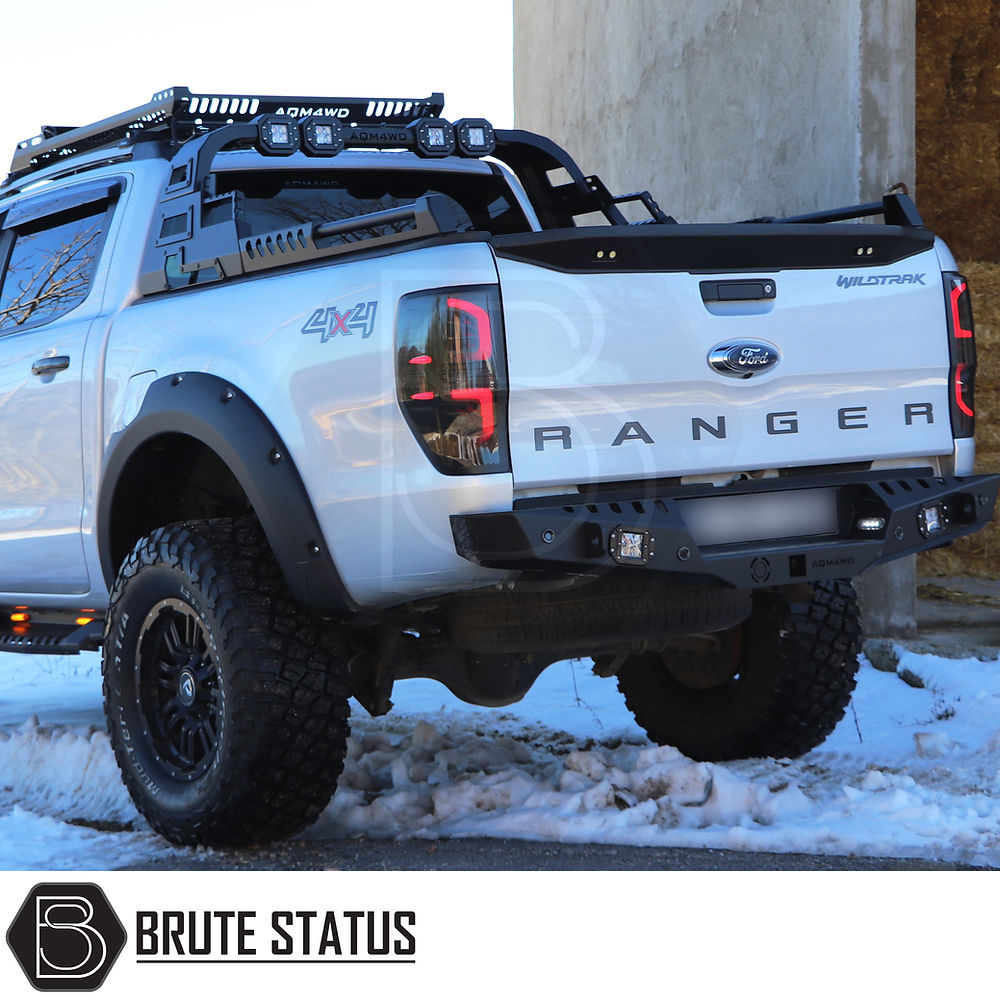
(912, 771)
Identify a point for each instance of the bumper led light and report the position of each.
(932, 519)
(870, 523)
(631, 546)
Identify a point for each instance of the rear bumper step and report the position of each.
(716, 534)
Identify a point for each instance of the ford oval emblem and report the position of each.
(743, 358)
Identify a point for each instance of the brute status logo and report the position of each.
(66, 936)
(369, 936)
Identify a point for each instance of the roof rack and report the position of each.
(176, 115)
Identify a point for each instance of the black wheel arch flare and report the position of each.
(221, 417)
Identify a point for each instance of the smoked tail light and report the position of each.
(962, 349)
(451, 377)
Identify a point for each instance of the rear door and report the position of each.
(50, 250)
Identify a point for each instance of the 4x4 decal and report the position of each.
(331, 321)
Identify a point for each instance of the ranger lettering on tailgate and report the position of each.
(848, 418)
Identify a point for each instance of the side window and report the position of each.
(50, 266)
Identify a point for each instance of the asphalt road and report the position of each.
(487, 854)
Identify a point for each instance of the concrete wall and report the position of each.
(724, 109)
(731, 109)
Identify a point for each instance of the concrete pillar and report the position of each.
(724, 109)
(888, 155)
(887, 120)
(731, 109)
(889, 599)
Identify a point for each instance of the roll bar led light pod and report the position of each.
(475, 137)
(278, 135)
(322, 137)
(282, 135)
(435, 137)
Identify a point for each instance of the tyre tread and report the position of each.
(813, 663)
(288, 680)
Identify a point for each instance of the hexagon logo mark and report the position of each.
(66, 936)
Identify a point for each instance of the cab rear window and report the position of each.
(50, 266)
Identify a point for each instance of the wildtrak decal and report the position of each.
(866, 280)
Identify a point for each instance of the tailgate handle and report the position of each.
(739, 290)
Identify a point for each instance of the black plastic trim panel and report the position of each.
(224, 419)
(34, 207)
(714, 248)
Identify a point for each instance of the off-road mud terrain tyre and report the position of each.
(775, 686)
(227, 705)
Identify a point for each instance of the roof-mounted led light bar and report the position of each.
(176, 115)
(281, 135)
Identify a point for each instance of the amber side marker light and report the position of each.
(20, 616)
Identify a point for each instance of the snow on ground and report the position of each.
(910, 772)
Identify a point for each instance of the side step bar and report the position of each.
(49, 638)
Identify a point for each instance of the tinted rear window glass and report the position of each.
(50, 268)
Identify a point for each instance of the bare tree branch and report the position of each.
(60, 279)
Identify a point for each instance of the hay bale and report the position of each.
(958, 180)
(958, 123)
(979, 554)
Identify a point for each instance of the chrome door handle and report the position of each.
(49, 366)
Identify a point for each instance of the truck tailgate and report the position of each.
(830, 360)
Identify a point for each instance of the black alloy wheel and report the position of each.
(227, 704)
(181, 694)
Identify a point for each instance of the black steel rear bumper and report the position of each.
(635, 531)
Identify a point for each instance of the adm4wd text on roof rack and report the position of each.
(328, 112)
